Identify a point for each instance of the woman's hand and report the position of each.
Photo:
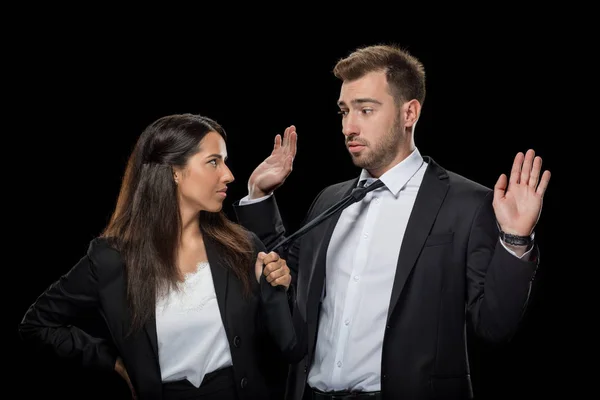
(274, 268)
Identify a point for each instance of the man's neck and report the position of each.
(402, 154)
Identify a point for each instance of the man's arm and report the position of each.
(500, 277)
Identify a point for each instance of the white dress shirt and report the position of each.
(191, 336)
(361, 265)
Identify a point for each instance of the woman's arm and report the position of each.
(47, 322)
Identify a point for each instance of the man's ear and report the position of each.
(411, 111)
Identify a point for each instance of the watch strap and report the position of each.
(516, 240)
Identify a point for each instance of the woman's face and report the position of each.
(202, 183)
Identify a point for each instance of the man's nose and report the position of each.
(349, 126)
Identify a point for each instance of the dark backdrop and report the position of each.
(83, 96)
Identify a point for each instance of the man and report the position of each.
(386, 287)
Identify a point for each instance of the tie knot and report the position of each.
(361, 191)
(363, 183)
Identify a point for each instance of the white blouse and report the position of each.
(191, 336)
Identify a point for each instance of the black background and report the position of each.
(82, 89)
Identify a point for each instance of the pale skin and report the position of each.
(379, 133)
(202, 185)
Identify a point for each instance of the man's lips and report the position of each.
(355, 146)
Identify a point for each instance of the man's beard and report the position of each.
(380, 154)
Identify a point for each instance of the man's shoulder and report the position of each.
(459, 184)
(336, 191)
(339, 187)
(467, 184)
(330, 194)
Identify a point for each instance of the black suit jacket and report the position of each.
(96, 283)
(452, 269)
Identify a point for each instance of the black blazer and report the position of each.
(96, 283)
(452, 270)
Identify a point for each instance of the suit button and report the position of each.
(236, 341)
(243, 383)
(305, 369)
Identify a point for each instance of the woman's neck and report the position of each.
(191, 250)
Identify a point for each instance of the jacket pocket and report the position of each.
(440, 238)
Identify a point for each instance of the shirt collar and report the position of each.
(399, 175)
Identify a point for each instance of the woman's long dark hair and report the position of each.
(146, 224)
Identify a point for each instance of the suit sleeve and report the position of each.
(275, 314)
(47, 322)
(264, 219)
(499, 284)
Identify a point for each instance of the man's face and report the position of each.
(371, 122)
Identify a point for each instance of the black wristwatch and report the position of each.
(516, 240)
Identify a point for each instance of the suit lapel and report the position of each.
(317, 278)
(220, 276)
(150, 328)
(429, 200)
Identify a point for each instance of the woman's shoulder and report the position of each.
(104, 254)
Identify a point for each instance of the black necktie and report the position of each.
(357, 195)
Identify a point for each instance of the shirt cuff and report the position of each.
(525, 257)
(245, 200)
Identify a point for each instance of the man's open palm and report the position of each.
(518, 200)
(273, 171)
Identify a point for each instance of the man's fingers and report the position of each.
(277, 144)
(500, 187)
(293, 143)
(527, 164)
(515, 172)
(541, 189)
(535, 172)
(289, 138)
(286, 137)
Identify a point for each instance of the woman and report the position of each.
(178, 285)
